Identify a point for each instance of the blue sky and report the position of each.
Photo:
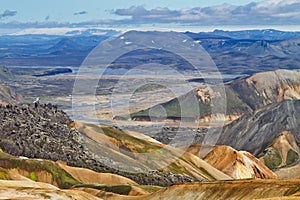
(82, 13)
(63, 10)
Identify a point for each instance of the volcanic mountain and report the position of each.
(271, 132)
(243, 95)
(236, 164)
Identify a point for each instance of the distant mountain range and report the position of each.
(232, 51)
(267, 34)
(46, 50)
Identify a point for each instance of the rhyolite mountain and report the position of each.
(236, 164)
(264, 88)
(271, 133)
(243, 95)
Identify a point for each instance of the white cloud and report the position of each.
(60, 31)
(267, 12)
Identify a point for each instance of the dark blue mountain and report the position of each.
(236, 52)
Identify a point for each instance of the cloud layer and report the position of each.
(269, 12)
(8, 13)
(263, 13)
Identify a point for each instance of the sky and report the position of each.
(84, 10)
(24, 14)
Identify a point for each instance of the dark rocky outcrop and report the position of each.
(43, 131)
(39, 131)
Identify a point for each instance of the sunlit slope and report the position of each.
(243, 189)
(236, 164)
(38, 174)
(147, 155)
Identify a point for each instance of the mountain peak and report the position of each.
(238, 164)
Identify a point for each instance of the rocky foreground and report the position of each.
(23, 178)
(46, 134)
(44, 131)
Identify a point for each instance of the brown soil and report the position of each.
(90, 177)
